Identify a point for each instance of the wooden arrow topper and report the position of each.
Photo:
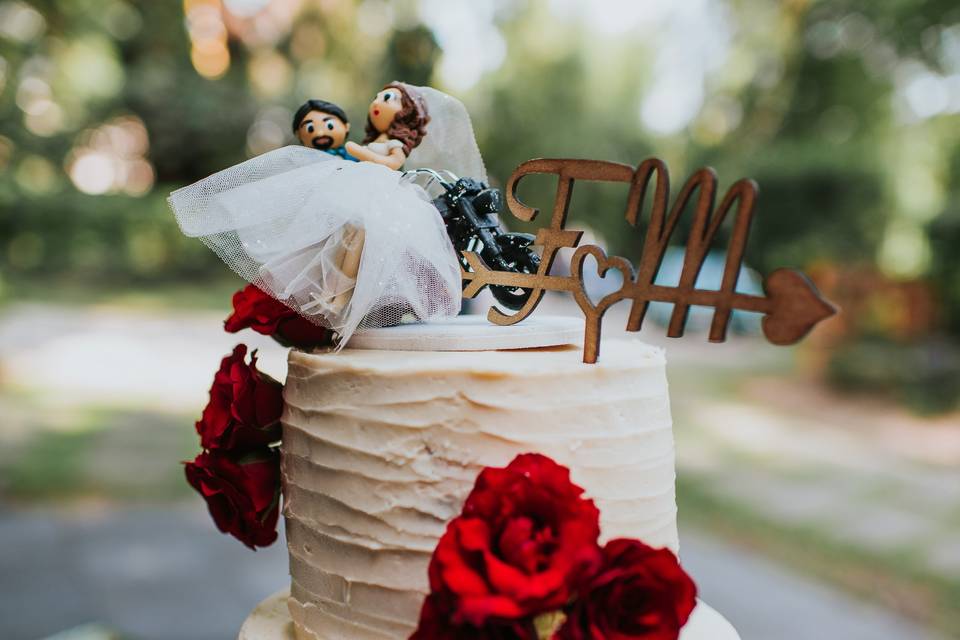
(792, 305)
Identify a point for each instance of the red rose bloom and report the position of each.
(243, 495)
(244, 408)
(639, 593)
(522, 543)
(436, 624)
(254, 309)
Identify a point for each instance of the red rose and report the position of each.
(254, 309)
(639, 593)
(436, 624)
(244, 408)
(243, 494)
(522, 543)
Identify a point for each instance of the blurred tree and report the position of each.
(945, 237)
(410, 56)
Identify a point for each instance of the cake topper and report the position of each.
(792, 305)
(324, 126)
(357, 245)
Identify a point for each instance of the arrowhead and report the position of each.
(796, 307)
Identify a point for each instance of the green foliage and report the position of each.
(814, 208)
(411, 55)
(944, 234)
(115, 239)
(908, 24)
(99, 453)
(925, 374)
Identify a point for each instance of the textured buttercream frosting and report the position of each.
(380, 448)
(271, 621)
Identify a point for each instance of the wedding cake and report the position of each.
(514, 487)
(380, 448)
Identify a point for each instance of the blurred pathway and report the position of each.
(859, 473)
(166, 573)
(142, 359)
(148, 573)
(764, 601)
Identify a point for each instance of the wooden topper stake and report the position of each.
(792, 305)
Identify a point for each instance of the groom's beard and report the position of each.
(322, 142)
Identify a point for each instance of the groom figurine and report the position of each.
(324, 126)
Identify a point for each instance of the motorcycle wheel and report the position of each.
(519, 257)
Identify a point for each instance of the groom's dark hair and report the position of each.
(317, 105)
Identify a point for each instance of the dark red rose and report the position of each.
(243, 494)
(639, 593)
(522, 543)
(254, 309)
(436, 624)
(244, 408)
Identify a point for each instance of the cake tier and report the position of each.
(380, 448)
(271, 621)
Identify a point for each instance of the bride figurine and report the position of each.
(348, 245)
(396, 122)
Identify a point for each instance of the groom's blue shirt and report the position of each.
(342, 152)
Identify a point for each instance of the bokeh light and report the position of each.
(257, 23)
(44, 118)
(270, 73)
(245, 8)
(122, 20)
(308, 41)
(269, 130)
(92, 172)
(37, 175)
(208, 37)
(31, 93)
(927, 94)
(20, 22)
(471, 43)
(375, 18)
(111, 158)
(91, 67)
(210, 58)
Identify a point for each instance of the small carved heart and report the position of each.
(796, 306)
(604, 264)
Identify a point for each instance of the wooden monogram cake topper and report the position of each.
(792, 305)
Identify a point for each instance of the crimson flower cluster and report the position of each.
(254, 309)
(238, 472)
(523, 562)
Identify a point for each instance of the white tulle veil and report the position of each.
(450, 143)
(349, 245)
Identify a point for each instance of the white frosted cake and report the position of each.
(381, 448)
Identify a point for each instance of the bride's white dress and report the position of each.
(287, 221)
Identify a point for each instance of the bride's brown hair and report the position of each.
(410, 124)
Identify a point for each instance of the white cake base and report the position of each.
(271, 621)
(472, 333)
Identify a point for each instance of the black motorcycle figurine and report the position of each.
(469, 209)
